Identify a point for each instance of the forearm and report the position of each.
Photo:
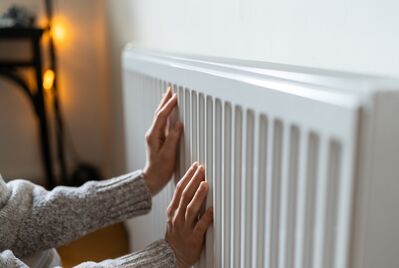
(53, 218)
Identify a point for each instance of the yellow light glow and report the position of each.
(58, 32)
(48, 80)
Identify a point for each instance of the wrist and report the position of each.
(179, 260)
(149, 181)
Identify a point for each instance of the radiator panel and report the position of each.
(266, 214)
(279, 156)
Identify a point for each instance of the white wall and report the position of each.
(118, 33)
(353, 35)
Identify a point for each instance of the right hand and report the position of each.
(185, 230)
(162, 142)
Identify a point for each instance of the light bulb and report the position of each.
(48, 79)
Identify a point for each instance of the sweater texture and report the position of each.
(33, 219)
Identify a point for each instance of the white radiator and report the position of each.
(303, 165)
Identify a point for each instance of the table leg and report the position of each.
(42, 116)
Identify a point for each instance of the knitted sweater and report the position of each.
(33, 219)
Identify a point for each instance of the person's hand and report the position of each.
(162, 142)
(185, 231)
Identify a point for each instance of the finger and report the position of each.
(166, 97)
(180, 187)
(172, 139)
(195, 205)
(190, 189)
(162, 116)
(203, 223)
(155, 137)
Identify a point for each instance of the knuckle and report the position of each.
(148, 137)
(207, 218)
(176, 222)
(169, 222)
(169, 211)
(185, 194)
(161, 114)
(190, 211)
(179, 186)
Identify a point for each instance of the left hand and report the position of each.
(185, 231)
(162, 143)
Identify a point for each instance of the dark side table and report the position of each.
(10, 69)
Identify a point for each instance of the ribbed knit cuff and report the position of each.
(158, 254)
(123, 197)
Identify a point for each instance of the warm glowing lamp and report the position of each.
(48, 80)
(58, 32)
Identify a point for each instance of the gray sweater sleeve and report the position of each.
(33, 219)
(158, 254)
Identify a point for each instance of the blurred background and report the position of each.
(346, 35)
